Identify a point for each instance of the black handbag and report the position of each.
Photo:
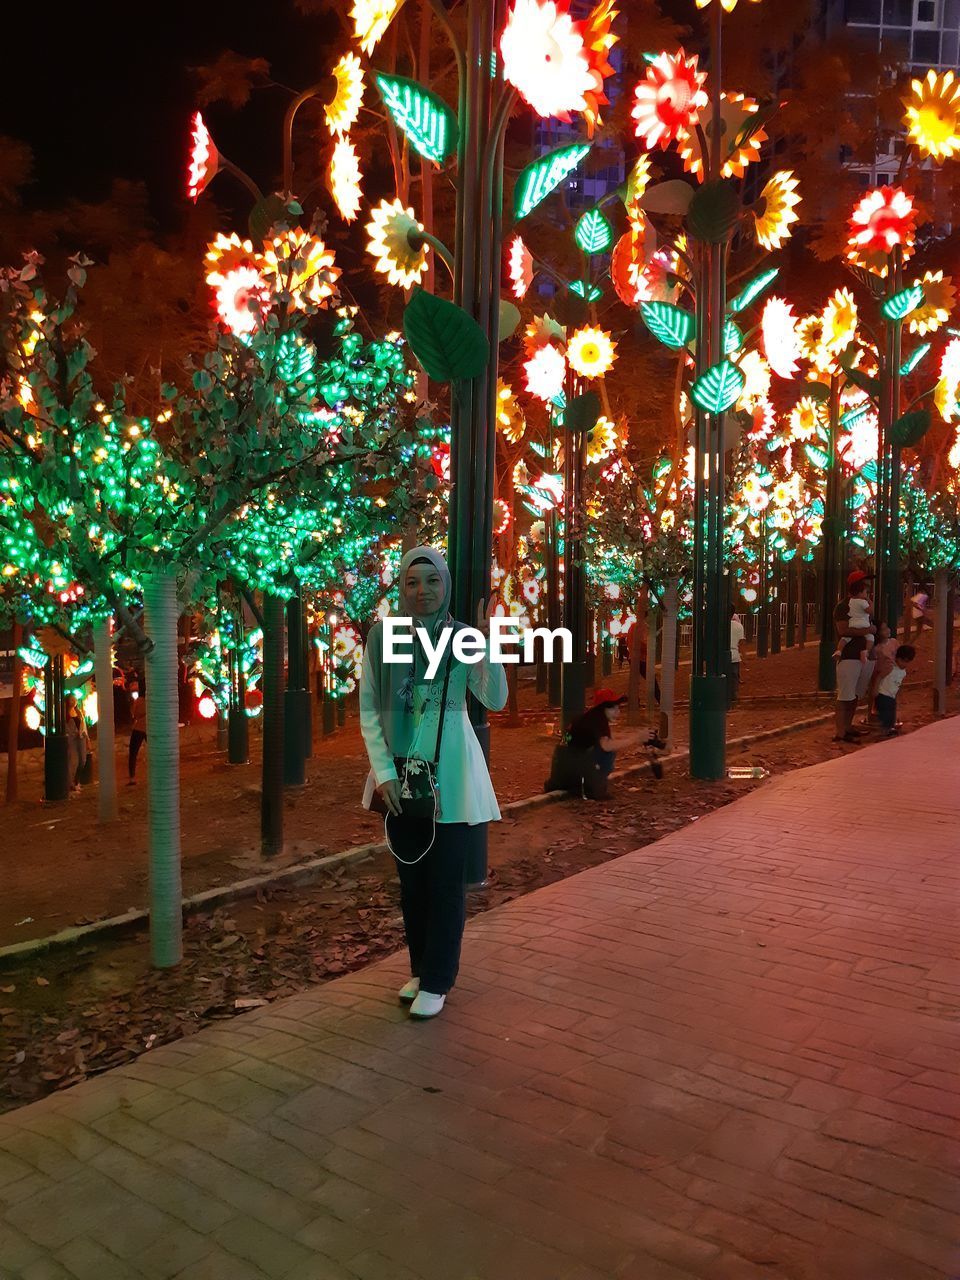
(419, 793)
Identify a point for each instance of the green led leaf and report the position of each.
(752, 290)
(816, 456)
(713, 212)
(543, 176)
(670, 325)
(426, 120)
(663, 468)
(910, 428)
(853, 416)
(869, 472)
(446, 340)
(582, 412)
(901, 304)
(719, 388)
(732, 338)
(913, 360)
(593, 233)
(584, 289)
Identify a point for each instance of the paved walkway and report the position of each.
(732, 1055)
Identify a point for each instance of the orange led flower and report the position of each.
(591, 352)
(204, 158)
(883, 219)
(777, 205)
(545, 58)
(510, 419)
(343, 179)
(667, 104)
(939, 297)
(728, 5)
(371, 19)
(540, 331)
(520, 267)
(241, 294)
(598, 40)
(741, 140)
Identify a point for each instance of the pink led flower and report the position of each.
(546, 370)
(204, 158)
(520, 267)
(546, 59)
(883, 219)
(668, 103)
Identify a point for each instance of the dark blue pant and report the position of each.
(433, 899)
(886, 711)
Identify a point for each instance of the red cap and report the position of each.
(607, 698)
(854, 579)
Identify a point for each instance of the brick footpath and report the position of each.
(731, 1055)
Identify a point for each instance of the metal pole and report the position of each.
(830, 576)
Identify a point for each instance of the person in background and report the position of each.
(583, 762)
(623, 650)
(920, 610)
(853, 674)
(121, 700)
(737, 637)
(138, 730)
(884, 653)
(78, 741)
(889, 688)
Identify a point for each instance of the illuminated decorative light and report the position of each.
(741, 145)
(344, 180)
(601, 440)
(779, 200)
(805, 420)
(241, 292)
(312, 281)
(670, 325)
(781, 342)
(546, 371)
(390, 247)
(732, 338)
(510, 419)
(883, 219)
(502, 516)
(945, 396)
(933, 115)
(32, 718)
(520, 267)
(207, 707)
(914, 359)
(593, 233)
(545, 57)
(756, 373)
(719, 388)
(901, 304)
(667, 104)
(728, 5)
(371, 19)
(839, 321)
(591, 353)
(424, 119)
(939, 297)
(598, 40)
(204, 158)
(543, 176)
(752, 290)
(542, 330)
(343, 111)
(584, 289)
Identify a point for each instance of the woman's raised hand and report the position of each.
(485, 613)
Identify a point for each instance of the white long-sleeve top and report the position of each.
(466, 792)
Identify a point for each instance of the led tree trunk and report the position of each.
(831, 549)
(887, 603)
(652, 628)
(163, 769)
(296, 698)
(271, 799)
(238, 732)
(668, 676)
(56, 772)
(106, 758)
(13, 724)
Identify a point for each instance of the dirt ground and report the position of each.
(59, 867)
(78, 1012)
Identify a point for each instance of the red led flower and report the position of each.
(204, 158)
(668, 103)
(883, 219)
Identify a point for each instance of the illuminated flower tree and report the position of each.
(389, 244)
(667, 104)
(545, 57)
(342, 111)
(776, 210)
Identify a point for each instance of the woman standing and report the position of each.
(403, 714)
(78, 741)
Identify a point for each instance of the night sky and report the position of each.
(110, 95)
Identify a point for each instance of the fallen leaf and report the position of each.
(42, 982)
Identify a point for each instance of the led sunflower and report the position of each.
(667, 104)
(884, 219)
(728, 5)
(204, 158)
(742, 140)
(601, 440)
(303, 266)
(520, 267)
(756, 387)
(342, 111)
(343, 179)
(598, 40)
(939, 297)
(591, 352)
(839, 321)
(638, 179)
(805, 420)
(540, 331)
(545, 57)
(390, 247)
(234, 272)
(502, 515)
(626, 266)
(781, 339)
(371, 19)
(546, 371)
(510, 419)
(948, 388)
(933, 115)
(776, 210)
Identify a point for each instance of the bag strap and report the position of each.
(443, 703)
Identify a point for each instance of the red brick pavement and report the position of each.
(731, 1055)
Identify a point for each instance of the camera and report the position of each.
(658, 743)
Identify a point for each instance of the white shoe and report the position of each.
(409, 990)
(426, 1005)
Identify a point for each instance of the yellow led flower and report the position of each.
(342, 111)
(839, 321)
(728, 5)
(782, 518)
(371, 19)
(948, 388)
(591, 352)
(933, 115)
(601, 440)
(805, 419)
(343, 179)
(390, 246)
(301, 265)
(638, 179)
(756, 371)
(939, 297)
(777, 205)
(740, 147)
(510, 419)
